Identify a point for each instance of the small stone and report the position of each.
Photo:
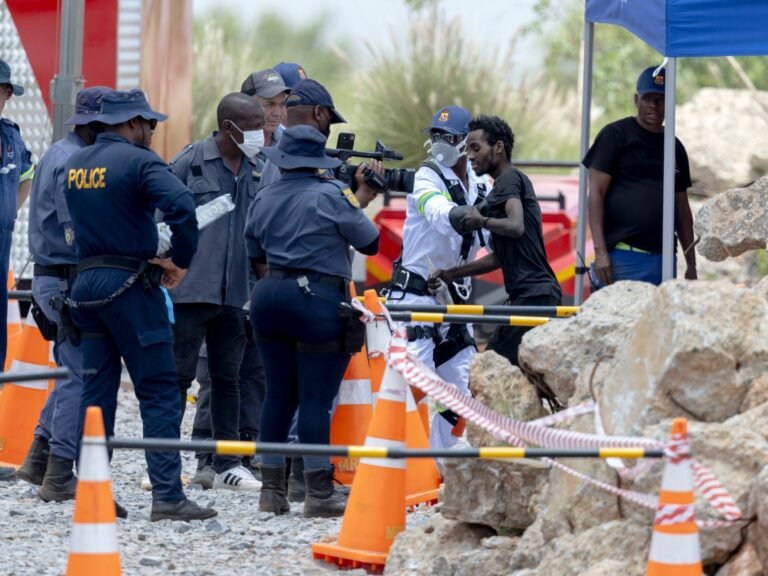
(182, 527)
(150, 561)
(215, 526)
(141, 537)
(14, 512)
(265, 516)
(241, 546)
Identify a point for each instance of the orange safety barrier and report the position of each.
(375, 511)
(377, 337)
(93, 548)
(422, 478)
(675, 548)
(13, 325)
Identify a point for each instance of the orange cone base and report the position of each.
(94, 563)
(664, 569)
(349, 557)
(429, 498)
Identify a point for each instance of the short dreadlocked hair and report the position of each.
(495, 129)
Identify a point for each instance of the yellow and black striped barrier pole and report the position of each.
(238, 448)
(436, 318)
(480, 310)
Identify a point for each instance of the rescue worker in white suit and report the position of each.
(445, 189)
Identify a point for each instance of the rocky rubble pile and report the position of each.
(645, 355)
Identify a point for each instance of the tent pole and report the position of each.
(586, 102)
(668, 240)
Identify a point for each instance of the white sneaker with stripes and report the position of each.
(238, 479)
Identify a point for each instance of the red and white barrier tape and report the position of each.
(710, 488)
(564, 415)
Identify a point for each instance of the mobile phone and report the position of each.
(346, 141)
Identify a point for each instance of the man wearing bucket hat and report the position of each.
(114, 188)
(626, 208)
(49, 462)
(445, 189)
(16, 173)
(302, 227)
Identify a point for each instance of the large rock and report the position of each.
(744, 563)
(499, 494)
(503, 388)
(759, 505)
(440, 547)
(733, 222)
(556, 352)
(726, 134)
(695, 352)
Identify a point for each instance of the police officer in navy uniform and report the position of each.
(51, 456)
(113, 190)
(16, 174)
(209, 301)
(302, 227)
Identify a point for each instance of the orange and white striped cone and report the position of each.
(93, 549)
(377, 336)
(13, 325)
(375, 511)
(422, 477)
(675, 548)
(21, 403)
(353, 414)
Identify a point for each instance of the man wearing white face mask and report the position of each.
(208, 303)
(445, 187)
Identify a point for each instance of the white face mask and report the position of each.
(253, 141)
(448, 155)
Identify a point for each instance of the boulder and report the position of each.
(500, 494)
(733, 222)
(744, 563)
(556, 352)
(726, 134)
(503, 388)
(695, 352)
(759, 505)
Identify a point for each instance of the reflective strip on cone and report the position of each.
(675, 548)
(398, 463)
(94, 462)
(94, 538)
(26, 368)
(355, 392)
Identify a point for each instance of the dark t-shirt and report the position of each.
(523, 260)
(634, 203)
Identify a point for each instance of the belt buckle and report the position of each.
(403, 286)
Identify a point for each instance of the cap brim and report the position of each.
(81, 119)
(288, 162)
(17, 90)
(113, 119)
(336, 118)
(272, 91)
(444, 129)
(651, 91)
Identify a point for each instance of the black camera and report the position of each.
(393, 179)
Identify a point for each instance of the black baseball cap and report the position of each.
(5, 78)
(264, 83)
(311, 93)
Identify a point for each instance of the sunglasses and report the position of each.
(452, 139)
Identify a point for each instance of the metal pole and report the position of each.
(69, 80)
(668, 241)
(586, 102)
(53, 374)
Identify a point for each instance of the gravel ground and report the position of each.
(34, 536)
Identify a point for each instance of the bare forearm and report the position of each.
(487, 263)
(23, 192)
(596, 205)
(504, 227)
(684, 229)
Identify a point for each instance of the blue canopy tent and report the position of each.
(675, 28)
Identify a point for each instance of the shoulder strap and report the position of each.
(454, 187)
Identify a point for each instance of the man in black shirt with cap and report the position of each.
(512, 215)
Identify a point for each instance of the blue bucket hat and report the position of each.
(647, 83)
(451, 119)
(291, 73)
(119, 106)
(301, 146)
(5, 78)
(312, 93)
(88, 105)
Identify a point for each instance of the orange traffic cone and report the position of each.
(93, 549)
(675, 549)
(13, 324)
(353, 413)
(20, 404)
(422, 478)
(376, 508)
(377, 335)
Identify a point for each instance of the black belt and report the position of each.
(119, 262)
(410, 282)
(335, 281)
(63, 271)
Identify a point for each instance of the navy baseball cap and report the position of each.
(301, 146)
(312, 93)
(647, 83)
(88, 105)
(120, 106)
(5, 78)
(291, 73)
(451, 119)
(264, 83)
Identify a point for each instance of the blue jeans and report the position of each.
(631, 265)
(59, 417)
(6, 231)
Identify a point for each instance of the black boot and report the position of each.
(7, 474)
(272, 497)
(33, 469)
(296, 487)
(59, 483)
(182, 511)
(321, 500)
